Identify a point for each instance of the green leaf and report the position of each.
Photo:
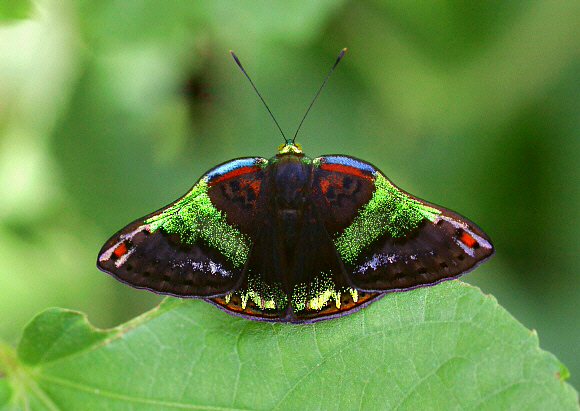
(443, 347)
(56, 333)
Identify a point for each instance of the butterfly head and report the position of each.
(290, 148)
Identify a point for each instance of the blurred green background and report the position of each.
(111, 109)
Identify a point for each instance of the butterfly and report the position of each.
(293, 238)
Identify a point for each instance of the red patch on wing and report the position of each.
(324, 184)
(342, 168)
(233, 173)
(467, 239)
(120, 250)
(255, 184)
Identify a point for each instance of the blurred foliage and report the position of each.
(112, 109)
(14, 9)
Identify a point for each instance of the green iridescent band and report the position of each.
(194, 217)
(266, 297)
(390, 210)
(319, 293)
(306, 296)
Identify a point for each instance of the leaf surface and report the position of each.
(442, 347)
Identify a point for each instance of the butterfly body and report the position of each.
(294, 239)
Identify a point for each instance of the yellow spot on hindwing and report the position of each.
(264, 296)
(319, 301)
(313, 296)
(244, 300)
(353, 294)
(319, 293)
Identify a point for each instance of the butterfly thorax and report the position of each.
(291, 174)
(291, 184)
(292, 178)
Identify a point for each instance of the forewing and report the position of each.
(393, 240)
(341, 186)
(195, 246)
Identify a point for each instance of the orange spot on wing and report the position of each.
(324, 184)
(255, 184)
(468, 239)
(346, 304)
(235, 305)
(120, 250)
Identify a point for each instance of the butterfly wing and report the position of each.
(387, 238)
(197, 245)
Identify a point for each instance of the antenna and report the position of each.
(319, 90)
(259, 95)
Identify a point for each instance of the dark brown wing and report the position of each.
(322, 288)
(197, 245)
(387, 238)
